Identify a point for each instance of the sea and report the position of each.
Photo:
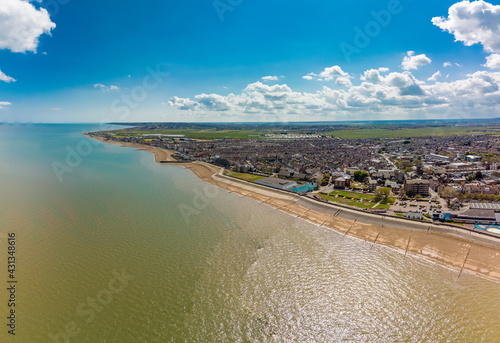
(110, 246)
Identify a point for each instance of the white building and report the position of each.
(414, 215)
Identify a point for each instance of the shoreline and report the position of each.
(161, 155)
(460, 251)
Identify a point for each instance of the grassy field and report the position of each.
(360, 200)
(385, 206)
(354, 132)
(408, 132)
(355, 195)
(244, 176)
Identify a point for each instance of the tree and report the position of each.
(382, 193)
(418, 197)
(360, 175)
(449, 193)
(403, 164)
(479, 175)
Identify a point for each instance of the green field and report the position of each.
(348, 132)
(407, 132)
(360, 200)
(244, 176)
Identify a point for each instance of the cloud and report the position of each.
(6, 78)
(447, 64)
(372, 75)
(182, 103)
(391, 94)
(270, 78)
(412, 61)
(3, 104)
(332, 72)
(343, 81)
(473, 23)
(328, 74)
(21, 25)
(435, 76)
(213, 102)
(493, 61)
(105, 88)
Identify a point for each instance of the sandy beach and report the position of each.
(161, 155)
(465, 252)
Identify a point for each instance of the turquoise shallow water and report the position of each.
(118, 248)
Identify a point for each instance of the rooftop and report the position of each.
(485, 205)
(417, 181)
(276, 182)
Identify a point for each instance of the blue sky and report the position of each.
(193, 60)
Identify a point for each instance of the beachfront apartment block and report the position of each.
(417, 186)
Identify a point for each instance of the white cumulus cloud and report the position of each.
(270, 78)
(328, 74)
(6, 78)
(475, 22)
(435, 76)
(21, 25)
(412, 61)
(493, 61)
(372, 75)
(182, 103)
(343, 81)
(394, 94)
(472, 23)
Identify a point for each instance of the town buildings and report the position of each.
(417, 186)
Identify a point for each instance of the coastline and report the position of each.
(460, 251)
(161, 155)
